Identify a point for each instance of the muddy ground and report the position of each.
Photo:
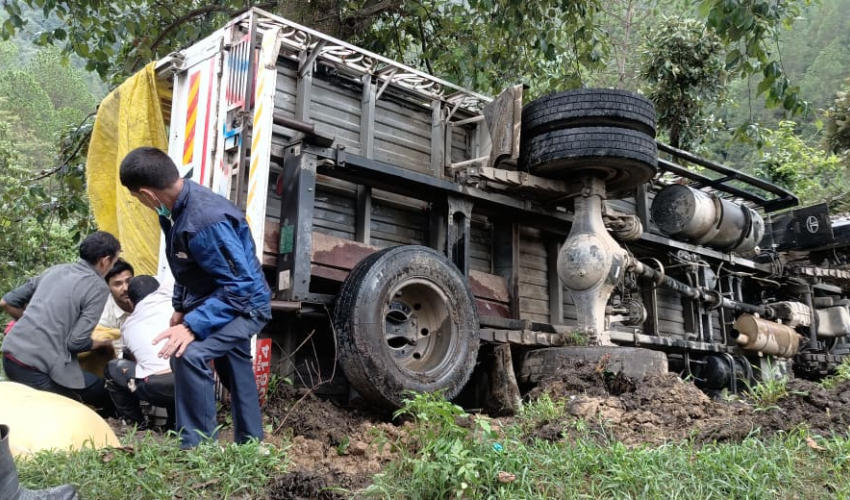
(335, 451)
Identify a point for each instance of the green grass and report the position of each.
(771, 389)
(449, 461)
(449, 454)
(156, 468)
(842, 374)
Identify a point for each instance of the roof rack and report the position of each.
(750, 190)
(358, 62)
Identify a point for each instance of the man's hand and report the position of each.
(179, 337)
(176, 318)
(14, 312)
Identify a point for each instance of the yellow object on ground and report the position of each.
(95, 361)
(40, 420)
(128, 118)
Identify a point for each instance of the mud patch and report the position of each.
(664, 408)
(334, 450)
(311, 485)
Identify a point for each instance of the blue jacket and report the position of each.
(213, 258)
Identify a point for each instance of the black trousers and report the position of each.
(157, 390)
(93, 394)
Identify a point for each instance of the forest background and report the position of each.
(759, 85)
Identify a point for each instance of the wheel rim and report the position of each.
(419, 331)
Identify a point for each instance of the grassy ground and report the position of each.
(154, 467)
(444, 453)
(454, 461)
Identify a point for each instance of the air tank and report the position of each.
(684, 212)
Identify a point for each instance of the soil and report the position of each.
(665, 408)
(335, 451)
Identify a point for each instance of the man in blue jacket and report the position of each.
(220, 299)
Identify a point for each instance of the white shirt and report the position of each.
(150, 318)
(113, 316)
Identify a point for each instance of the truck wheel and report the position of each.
(623, 158)
(588, 108)
(634, 362)
(405, 320)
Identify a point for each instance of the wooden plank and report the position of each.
(489, 308)
(489, 286)
(533, 292)
(334, 257)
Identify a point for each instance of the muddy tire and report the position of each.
(405, 320)
(634, 362)
(588, 108)
(623, 158)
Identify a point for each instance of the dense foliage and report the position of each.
(43, 209)
(724, 75)
(684, 71)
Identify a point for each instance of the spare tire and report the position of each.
(405, 320)
(589, 108)
(623, 158)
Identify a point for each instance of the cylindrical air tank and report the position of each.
(684, 212)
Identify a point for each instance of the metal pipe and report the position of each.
(297, 125)
(641, 269)
(285, 306)
(784, 198)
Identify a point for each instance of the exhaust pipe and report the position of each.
(768, 337)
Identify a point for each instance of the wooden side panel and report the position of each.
(481, 246)
(393, 225)
(284, 101)
(461, 144)
(533, 277)
(403, 135)
(335, 109)
(334, 211)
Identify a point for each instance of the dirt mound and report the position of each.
(311, 485)
(665, 408)
(334, 450)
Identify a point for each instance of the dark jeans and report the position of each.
(157, 390)
(230, 350)
(93, 394)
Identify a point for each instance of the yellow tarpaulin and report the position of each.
(41, 420)
(129, 117)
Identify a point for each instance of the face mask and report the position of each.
(163, 211)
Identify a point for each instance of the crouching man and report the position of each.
(143, 375)
(56, 313)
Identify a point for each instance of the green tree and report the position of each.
(34, 235)
(683, 67)
(811, 173)
(750, 30)
(837, 139)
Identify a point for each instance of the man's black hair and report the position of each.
(148, 167)
(120, 266)
(98, 245)
(140, 287)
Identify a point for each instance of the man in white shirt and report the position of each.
(118, 307)
(143, 375)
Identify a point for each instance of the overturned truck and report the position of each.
(419, 236)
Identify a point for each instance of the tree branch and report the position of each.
(73, 154)
(372, 9)
(200, 11)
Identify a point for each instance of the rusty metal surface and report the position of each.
(522, 337)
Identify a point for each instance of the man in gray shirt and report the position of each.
(56, 313)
